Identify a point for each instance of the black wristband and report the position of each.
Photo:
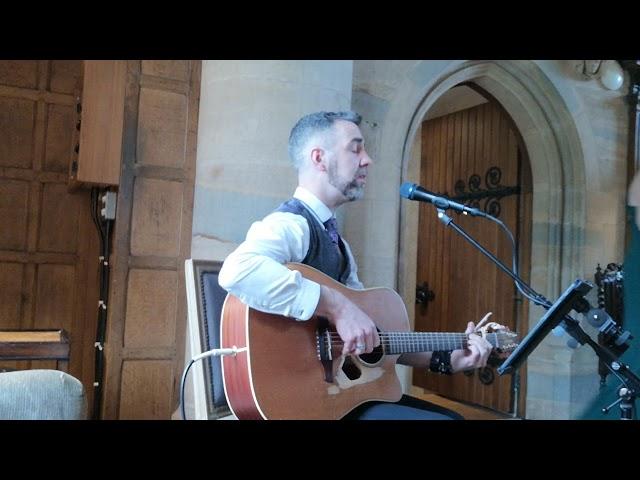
(441, 362)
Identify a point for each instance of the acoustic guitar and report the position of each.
(289, 369)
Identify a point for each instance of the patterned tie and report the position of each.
(332, 228)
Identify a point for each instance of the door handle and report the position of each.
(423, 294)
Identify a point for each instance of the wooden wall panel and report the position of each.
(11, 277)
(154, 400)
(14, 199)
(162, 124)
(99, 158)
(55, 294)
(152, 238)
(59, 137)
(66, 76)
(17, 120)
(157, 217)
(58, 230)
(169, 69)
(151, 309)
(19, 73)
(48, 243)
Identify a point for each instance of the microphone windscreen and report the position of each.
(406, 189)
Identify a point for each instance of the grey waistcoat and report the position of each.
(322, 255)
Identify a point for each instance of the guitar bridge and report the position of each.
(323, 348)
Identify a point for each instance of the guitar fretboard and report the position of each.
(410, 342)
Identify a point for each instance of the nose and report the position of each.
(366, 159)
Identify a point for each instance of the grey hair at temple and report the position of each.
(311, 125)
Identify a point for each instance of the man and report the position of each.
(328, 151)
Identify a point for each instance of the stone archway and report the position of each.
(556, 155)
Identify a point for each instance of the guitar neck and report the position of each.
(411, 342)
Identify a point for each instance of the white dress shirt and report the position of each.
(255, 271)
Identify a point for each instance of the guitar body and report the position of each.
(280, 376)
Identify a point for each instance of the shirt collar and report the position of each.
(323, 212)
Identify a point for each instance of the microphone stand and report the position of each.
(630, 387)
(448, 222)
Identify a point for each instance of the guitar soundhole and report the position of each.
(350, 369)
(373, 357)
(486, 375)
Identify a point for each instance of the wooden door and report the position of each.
(474, 151)
(48, 244)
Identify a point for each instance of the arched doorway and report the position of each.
(556, 154)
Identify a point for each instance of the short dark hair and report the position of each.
(312, 124)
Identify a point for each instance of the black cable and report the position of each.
(530, 293)
(94, 212)
(104, 231)
(182, 385)
(215, 352)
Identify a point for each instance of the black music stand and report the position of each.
(555, 315)
(572, 298)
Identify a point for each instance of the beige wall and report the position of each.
(247, 109)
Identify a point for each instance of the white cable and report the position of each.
(218, 352)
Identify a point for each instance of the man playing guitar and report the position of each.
(328, 151)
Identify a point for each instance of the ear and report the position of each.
(318, 158)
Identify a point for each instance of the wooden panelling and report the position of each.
(152, 238)
(37, 95)
(162, 123)
(146, 390)
(157, 217)
(59, 220)
(164, 263)
(66, 76)
(14, 198)
(160, 173)
(38, 257)
(17, 120)
(31, 175)
(151, 309)
(59, 138)
(55, 294)
(99, 158)
(172, 69)
(19, 73)
(48, 243)
(10, 294)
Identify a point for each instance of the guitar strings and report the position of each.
(401, 338)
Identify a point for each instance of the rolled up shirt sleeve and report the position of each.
(256, 273)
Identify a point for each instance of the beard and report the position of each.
(349, 188)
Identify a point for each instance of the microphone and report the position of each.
(413, 191)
